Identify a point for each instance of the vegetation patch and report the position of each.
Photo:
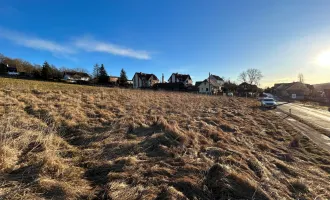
(64, 141)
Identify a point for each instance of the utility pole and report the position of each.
(209, 83)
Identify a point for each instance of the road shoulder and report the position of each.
(313, 134)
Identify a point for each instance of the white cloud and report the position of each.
(90, 45)
(34, 42)
(66, 50)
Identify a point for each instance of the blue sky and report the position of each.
(282, 38)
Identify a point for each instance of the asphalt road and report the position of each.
(317, 117)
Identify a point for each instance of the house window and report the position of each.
(207, 89)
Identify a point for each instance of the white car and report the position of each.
(268, 103)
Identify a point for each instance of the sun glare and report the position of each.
(324, 59)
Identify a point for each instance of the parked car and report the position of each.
(230, 94)
(262, 96)
(268, 103)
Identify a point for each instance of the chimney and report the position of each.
(162, 78)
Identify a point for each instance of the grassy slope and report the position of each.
(64, 141)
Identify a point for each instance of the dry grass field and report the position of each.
(61, 141)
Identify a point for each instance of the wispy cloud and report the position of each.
(69, 48)
(35, 43)
(91, 45)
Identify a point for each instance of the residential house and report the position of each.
(143, 80)
(113, 80)
(130, 82)
(298, 90)
(180, 78)
(217, 79)
(12, 71)
(295, 90)
(75, 77)
(197, 83)
(246, 89)
(8, 70)
(209, 87)
(280, 89)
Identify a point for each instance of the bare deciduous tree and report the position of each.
(243, 77)
(254, 76)
(251, 76)
(301, 78)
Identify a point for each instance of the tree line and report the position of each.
(48, 71)
(101, 76)
(44, 71)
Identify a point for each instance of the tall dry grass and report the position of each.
(61, 141)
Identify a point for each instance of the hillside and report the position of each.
(60, 141)
(322, 86)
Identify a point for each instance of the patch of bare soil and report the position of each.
(61, 141)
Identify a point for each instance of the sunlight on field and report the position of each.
(62, 141)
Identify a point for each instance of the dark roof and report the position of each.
(247, 85)
(309, 86)
(198, 83)
(147, 76)
(212, 82)
(277, 85)
(11, 69)
(285, 86)
(82, 74)
(181, 77)
(217, 77)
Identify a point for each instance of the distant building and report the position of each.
(209, 87)
(113, 80)
(180, 78)
(75, 77)
(217, 79)
(212, 85)
(246, 89)
(143, 80)
(197, 83)
(8, 70)
(294, 90)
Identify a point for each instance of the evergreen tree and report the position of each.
(123, 78)
(46, 71)
(3, 68)
(96, 71)
(103, 76)
(56, 73)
